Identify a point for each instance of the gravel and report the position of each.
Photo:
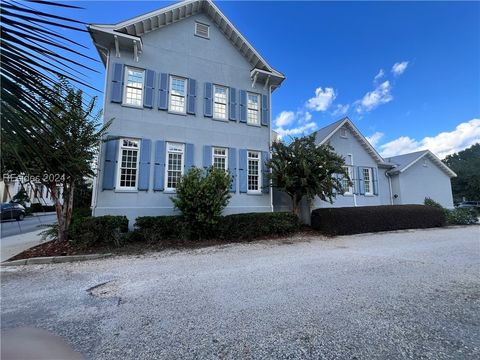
(402, 295)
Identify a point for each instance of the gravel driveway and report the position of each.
(403, 295)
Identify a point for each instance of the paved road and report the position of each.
(30, 223)
(404, 295)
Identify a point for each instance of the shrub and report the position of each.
(159, 228)
(430, 202)
(201, 195)
(461, 216)
(103, 230)
(356, 220)
(254, 225)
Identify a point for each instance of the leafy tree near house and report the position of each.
(302, 169)
(466, 165)
(67, 146)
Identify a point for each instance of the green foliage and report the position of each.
(430, 202)
(201, 196)
(303, 169)
(21, 197)
(357, 220)
(461, 216)
(102, 230)
(154, 229)
(466, 165)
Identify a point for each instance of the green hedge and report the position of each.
(461, 216)
(357, 220)
(237, 227)
(102, 230)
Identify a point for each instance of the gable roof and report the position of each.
(324, 134)
(154, 20)
(403, 162)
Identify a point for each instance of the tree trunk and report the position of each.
(296, 204)
(64, 212)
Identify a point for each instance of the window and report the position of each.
(253, 109)
(347, 188)
(177, 93)
(343, 133)
(134, 86)
(128, 164)
(220, 101)
(253, 172)
(174, 167)
(202, 30)
(425, 162)
(367, 180)
(220, 158)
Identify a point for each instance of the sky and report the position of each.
(406, 73)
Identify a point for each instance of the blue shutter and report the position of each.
(149, 88)
(265, 172)
(375, 181)
(208, 100)
(144, 164)
(361, 184)
(191, 96)
(163, 91)
(159, 167)
(117, 83)
(232, 168)
(207, 156)
(242, 154)
(243, 106)
(110, 164)
(188, 157)
(232, 104)
(265, 112)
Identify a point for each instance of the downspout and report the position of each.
(96, 179)
(270, 139)
(389, 186)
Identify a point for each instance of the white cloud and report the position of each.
(341, 110)
(381, 95)
(375, 138)
(380, 75)
(322, 100)
(399, 68)
(285, 118)
(299, 130)
(465, 135)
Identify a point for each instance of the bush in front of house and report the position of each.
(102, 230)
(155, 229)
(457, 216)
(357, 220)
(237, 227)
(201, 196)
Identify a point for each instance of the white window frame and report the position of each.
(125, 86)
(182, 164)
(343, 133)
(258, 110)
(199, 35)
(349, 189)
(170, 82)
(258, 160)
(215, 117)
(119, 163)
(220, 156)
(370, 181)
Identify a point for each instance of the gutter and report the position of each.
(389, 186)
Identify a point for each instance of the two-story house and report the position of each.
(184, 88)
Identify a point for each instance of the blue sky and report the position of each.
(331, 52)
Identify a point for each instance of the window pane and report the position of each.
(134, 87)
(178, 86)
(366, 180)
(253, 171)
(128, 165)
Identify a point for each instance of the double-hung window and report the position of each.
(253, 109)
(134, 86)
(174, 168)
(367, 181)
(346, 182)
(220, 102)
(178, 91)
(220, 158)
(253, 172)
(128, 164)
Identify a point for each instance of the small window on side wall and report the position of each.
(343, 133)
(202, 30)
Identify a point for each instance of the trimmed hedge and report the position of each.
(102, 230)
(357, 220)
(237, 227)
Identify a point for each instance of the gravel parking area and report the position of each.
(402, 295)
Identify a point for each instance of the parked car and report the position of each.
(12, 211)
(469, 205)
